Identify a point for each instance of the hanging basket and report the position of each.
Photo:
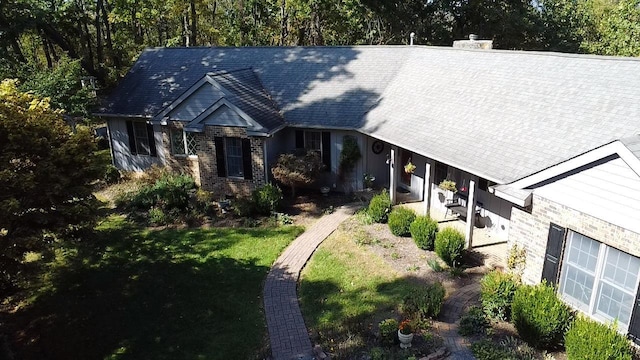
(409, 168)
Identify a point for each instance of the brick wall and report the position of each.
(531, 230)
(209, 171)
(203, 167)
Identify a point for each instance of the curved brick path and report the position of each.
(287, 333)
(452, 311)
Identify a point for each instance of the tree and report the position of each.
(46, 172)
(293, 170)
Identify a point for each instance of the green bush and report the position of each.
(168, 192)
(423, 231)
(243, 207)
(496, 294)
(424, 302)
(486, 350)
(588, 339)
(111, 174)
(157, 216)
(400, 220)
(473, 322)
(388, 330)
(539, 316)
(449, 246)
(267, 198)
(379, 207)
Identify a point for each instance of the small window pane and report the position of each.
(313, 140)
(234, 157)
(142, 138)
(192, 143)
(177, 142)
(578, 275)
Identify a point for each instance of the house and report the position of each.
(544, 147)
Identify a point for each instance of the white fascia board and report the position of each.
(224, 102)
(609, 149)
(513, 199)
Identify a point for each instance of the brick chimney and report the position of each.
(473, 43)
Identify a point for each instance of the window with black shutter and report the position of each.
(221, 163)
(634, 324)
(247, 163)
(141, 138)
(326, 150)
(555, 242)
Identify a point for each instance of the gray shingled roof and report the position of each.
(633, 144)
(502, 115)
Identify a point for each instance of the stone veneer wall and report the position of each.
(204, 169)
(531, 231)
(209, 171)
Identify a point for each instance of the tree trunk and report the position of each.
(15, 45)
(186, 40)
(107, 27)
(98, 25)
(194, 24)
(45, 47)
(283, 23)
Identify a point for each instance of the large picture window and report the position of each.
(598, 279)
(183, 143)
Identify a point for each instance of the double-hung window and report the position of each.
(313, 141)
(183, 143)
(141, 139)
(234, 157)
(599, 280)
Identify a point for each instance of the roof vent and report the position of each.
(473, 43)
(411, 36)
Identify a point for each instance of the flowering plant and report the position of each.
(409, 168)
(405, 327)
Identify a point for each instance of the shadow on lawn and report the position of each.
(139, 296)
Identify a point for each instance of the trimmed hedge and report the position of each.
(588, 339)
(423, 231)
(449, 246)
(379, 207)
(400, 220)
(424, 302)
(497, 289)
(267, 198)
(539, 316)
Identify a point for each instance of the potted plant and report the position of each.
(449, 188)
(405, 334)
(409, 168)
(367, 181)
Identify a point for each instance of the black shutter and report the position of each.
(299, 139)
(634, 324)
(246, 159)
(152, 140)
(132, 138)
(552, 259)
(326, 150)
(220, 158)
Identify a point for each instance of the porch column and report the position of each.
(392, 176)
(426, 198)
(471, 213)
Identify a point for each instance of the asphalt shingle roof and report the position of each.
(502, 115)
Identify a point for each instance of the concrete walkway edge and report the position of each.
(288, 334)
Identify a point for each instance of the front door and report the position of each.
(405, 157)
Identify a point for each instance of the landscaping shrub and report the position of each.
(588, 339)
(424, 302)
(379, 207)
(400, 220)
(496, 294)
(539, 316)
(486, 350)
(267, 198)
(243, 207)
(111, 175)
(423, 231)
(388, 330)
(473, 322)
(449, 246)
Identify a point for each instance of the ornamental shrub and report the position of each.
(588, 339)
(473, 322)
(400, 220)
(539, 316)
(423, 231)
(379, 207)
(449, 246)
(388, 330)
(424, 302)
(496, 294)
(267, 198)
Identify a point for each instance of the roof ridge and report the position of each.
(223, 72)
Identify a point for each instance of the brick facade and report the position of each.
(204, 167)
(531, 230)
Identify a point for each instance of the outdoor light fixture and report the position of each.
(388, 159)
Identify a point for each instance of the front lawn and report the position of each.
(132, 293)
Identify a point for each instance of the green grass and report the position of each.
(130, 293)
(345, 290)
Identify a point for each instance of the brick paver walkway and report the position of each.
(287, 332)
(452, 310)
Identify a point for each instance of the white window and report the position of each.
(313, 140)
(181, 140)
(234, 157)
(599, 280)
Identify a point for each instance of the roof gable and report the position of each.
(193, 101)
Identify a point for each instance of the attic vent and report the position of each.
(473, 43)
